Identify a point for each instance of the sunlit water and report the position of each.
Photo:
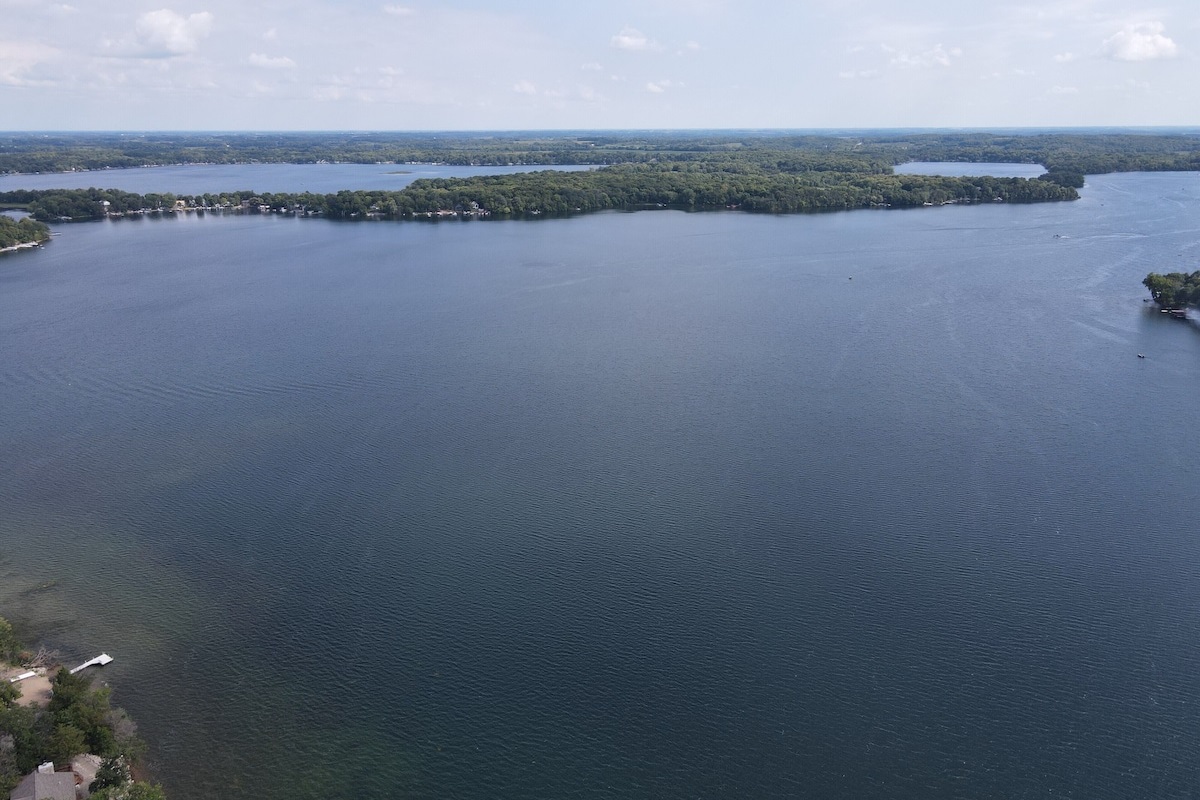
(878, 504)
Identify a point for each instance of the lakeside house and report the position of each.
(45, 784)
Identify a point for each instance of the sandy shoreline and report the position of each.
(22, 246)
(35, 691)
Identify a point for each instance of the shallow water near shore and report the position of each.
(872, 504)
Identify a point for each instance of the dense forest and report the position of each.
(760, 171)
(1067, 153)
(13, 232)
(551, 192)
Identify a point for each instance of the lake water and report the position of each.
(198, 179)
(879, 504)
(970, 168)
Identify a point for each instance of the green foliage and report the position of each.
(65, 743)
(1175, 289)
(1073, 179)
(136, 791)
(14, 232)
(9, 693)
(9, 646)
(74, 704)
(112, 772)
(698, 185)
(22, 724)
(1087, 154)
(79, 719)
(754, 171)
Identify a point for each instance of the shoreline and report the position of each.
(22, 246)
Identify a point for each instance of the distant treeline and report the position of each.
(1175, 289)
(27, 230)
(1065, 153)
(697, 186)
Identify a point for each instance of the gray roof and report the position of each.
(45, 786)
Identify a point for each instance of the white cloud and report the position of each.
(658, 87)
(17, 59)
(633, 39)
(1141, 42)
(591, 66)
(399, 11)
(1065, 58)
(271, 35)
(328, 94)
(936, 56)
(267, 62)
(166, 33)
(861, 73)
(524, 87)
(1064, 90)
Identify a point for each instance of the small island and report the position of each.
(1174, 291)
(57, 732)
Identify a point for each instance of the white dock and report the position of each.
(23, 676)
(98, 661)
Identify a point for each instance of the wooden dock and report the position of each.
(98, 661)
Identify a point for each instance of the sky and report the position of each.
(605, 64)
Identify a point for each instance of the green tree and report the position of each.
(9, 646)
(9, 693)
(65, 743)
(136, 791)
(112, 772)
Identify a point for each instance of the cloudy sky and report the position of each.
(534, 64)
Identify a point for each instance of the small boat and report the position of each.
(1140, 355)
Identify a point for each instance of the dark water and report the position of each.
(643, 505)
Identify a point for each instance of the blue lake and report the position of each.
(197, 179)
(879, 504)
(970, 168)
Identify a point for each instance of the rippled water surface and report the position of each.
(880, 504)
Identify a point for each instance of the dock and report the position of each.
(98, 661)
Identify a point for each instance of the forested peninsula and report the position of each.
(21, 233)
(750, 171)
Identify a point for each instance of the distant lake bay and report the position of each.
(878, 504)
(201, 178)
(970, 168)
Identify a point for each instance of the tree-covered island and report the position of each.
(1175, 290)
